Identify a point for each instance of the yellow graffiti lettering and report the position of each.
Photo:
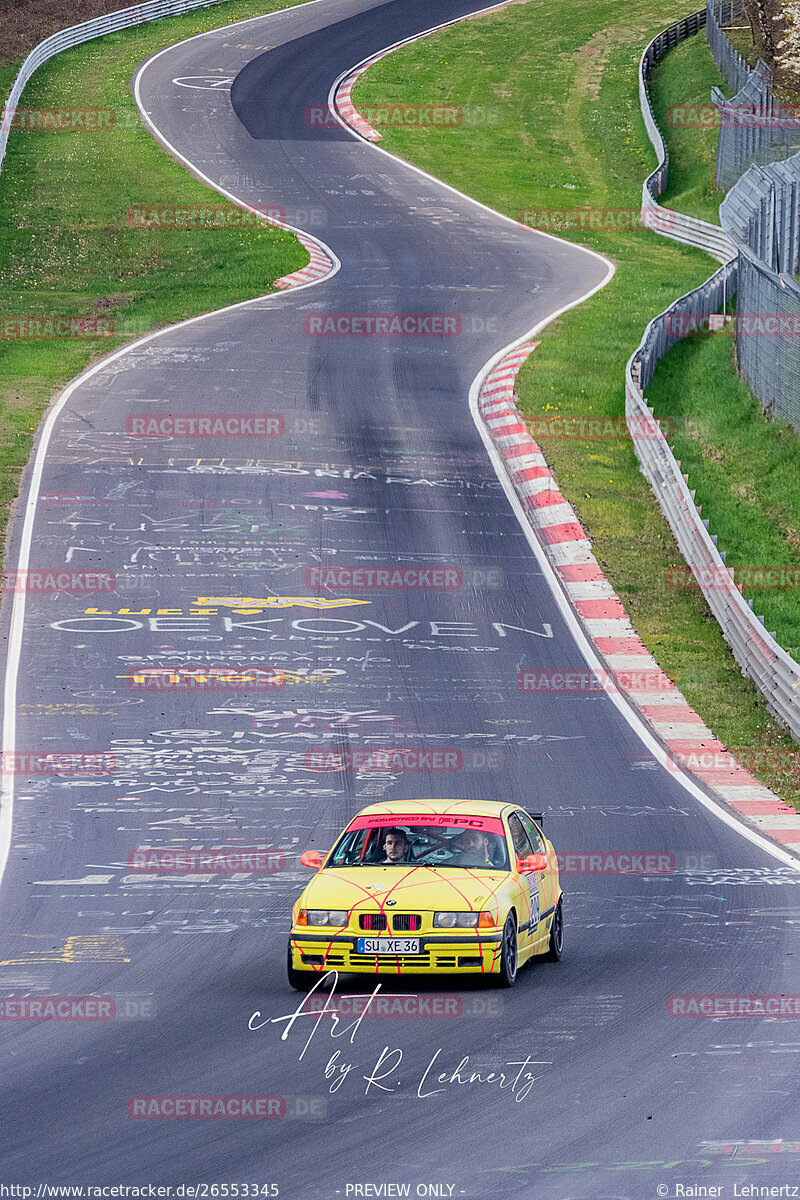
(256, 605)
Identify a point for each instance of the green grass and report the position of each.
(8, 73)
(572, 133)
(741, 38)
(65, 245)
(680, 90)
(743, 467)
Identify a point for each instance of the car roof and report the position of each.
(470, 808)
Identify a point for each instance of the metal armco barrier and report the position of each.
(65, 39)
(666, 221)
(774, 672)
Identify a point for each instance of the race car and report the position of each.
(419, 887)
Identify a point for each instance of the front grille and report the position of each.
(406, 922)
(372, 921)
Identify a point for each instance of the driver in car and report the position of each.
(396, 847)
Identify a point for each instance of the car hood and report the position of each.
(414, 889)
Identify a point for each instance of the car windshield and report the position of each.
(431, 843)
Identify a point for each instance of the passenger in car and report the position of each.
(472, 844)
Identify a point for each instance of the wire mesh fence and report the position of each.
(754, 127)
(761, 214)
(730, 62)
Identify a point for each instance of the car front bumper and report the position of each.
(320, 952)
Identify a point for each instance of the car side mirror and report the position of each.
(313, 859)
(534, 862)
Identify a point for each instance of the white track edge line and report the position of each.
(593, 660)
(432, 178)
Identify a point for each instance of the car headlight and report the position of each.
(324, 916)
(455, 920)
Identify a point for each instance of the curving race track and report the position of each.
(380, 464)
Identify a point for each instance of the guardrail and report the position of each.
(774, 672)
(689, 230)
(75, 35)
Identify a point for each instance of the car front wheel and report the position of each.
(556, 946)
(509, 956)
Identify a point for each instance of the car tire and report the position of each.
(556, 947)
(301, 981)
(509, 953)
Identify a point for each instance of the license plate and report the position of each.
(388, 945)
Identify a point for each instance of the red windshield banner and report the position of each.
(453, 820)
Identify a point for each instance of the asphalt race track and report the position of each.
(379, 464)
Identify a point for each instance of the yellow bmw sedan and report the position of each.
(430, 887)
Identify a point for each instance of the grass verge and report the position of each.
(66, 248)
(570, 132)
